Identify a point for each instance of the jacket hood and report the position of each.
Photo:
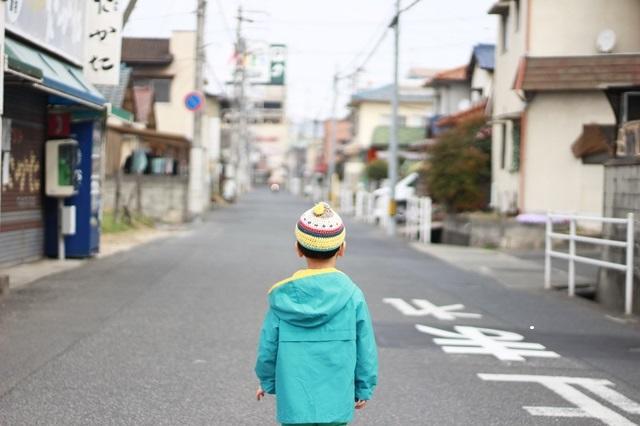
(311, 297)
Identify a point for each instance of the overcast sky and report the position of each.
(325, 35)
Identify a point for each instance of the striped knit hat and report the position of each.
(320, 229)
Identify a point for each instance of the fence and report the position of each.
(368, 208)
(572, 237)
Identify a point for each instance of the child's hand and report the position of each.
(360, 404)
(259, 393)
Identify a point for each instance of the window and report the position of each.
(504, 32)
(516, 14)
(272, 104)
(515, 152)
(503, 147)
(161, 87)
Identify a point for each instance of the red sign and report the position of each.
(58, 125)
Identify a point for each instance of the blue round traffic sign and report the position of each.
(194, 101)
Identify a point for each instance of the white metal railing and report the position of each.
(346, 202)
(418, 219)
(373, 210)
(572, 257)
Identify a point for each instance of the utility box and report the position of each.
(69, 220)
(62, 158)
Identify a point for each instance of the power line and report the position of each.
(409, 7)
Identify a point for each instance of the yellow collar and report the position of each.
(303, 273)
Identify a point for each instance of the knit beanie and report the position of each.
(320, 229)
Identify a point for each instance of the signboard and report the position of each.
(194, 101)
(257, 64)
(265, 64)
(103, 41)
(278, 54)
(56, 25)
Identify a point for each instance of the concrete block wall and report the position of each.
(163, 198)
(621, 196)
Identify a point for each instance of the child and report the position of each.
(317, 350)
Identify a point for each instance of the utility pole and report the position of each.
(128, 11)
(196, 161)
(393, 140)
(241, 134)
(332, 141)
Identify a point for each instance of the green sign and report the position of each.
(278, 53)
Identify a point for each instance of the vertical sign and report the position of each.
(103, 42)
(278, 54)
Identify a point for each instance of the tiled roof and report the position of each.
(477, 110)
(453, 74)
(484, 55)
(383, 94)
(595, 72)
(115, 94)
(152, 51)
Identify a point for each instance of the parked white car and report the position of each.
(405, 188)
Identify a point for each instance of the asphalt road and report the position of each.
(165, 334)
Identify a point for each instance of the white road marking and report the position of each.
(425, 308)
(504, 345)
(585, 406)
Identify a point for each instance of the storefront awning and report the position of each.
(50, 74)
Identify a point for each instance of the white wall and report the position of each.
(481, 79)
(505, 183)
(450, 97)
(570, 27)
(173, 117)
(554, 179)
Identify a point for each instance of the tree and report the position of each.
(377, 170)
(459, 167)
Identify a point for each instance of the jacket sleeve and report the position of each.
(366, 377)
(267, 353)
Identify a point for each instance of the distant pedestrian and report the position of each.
(317, 349)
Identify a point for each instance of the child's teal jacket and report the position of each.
(317, 349)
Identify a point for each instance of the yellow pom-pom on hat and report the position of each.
(319, 209)
(320, 228)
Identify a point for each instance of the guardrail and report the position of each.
(368, 208)
(418, 219)
(572, 257)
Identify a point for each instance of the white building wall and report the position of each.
(571, 27)
(481, 79)
(506, 103)
(554, 179)
(173, 117)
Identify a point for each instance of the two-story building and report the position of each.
(546, 89)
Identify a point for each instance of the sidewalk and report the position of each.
(23, 274)
(511, 271)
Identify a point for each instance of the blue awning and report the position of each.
(63, 79)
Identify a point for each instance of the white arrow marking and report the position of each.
(504, 345)
(585, 406)
(426, 308)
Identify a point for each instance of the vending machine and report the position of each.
(73, 176)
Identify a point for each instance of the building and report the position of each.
(47, 96)
(162, 75)
(463, 92)
(371, 118)
(266, 95)
(545, 91)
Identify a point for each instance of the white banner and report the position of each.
(56, 25)
(103, 42)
